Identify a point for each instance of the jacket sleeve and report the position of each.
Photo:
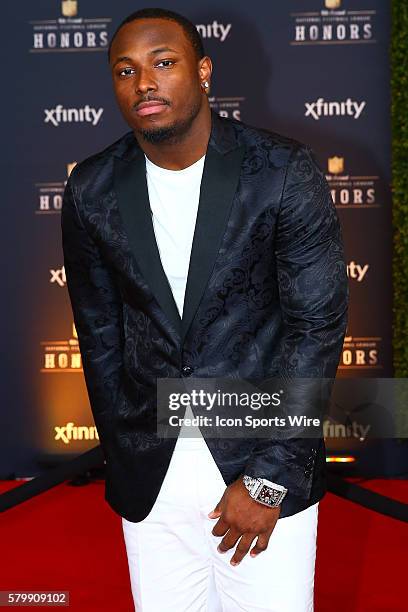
(313, 293)
(97, 312)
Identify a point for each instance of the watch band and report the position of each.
(264, 491)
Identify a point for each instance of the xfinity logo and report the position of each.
(321, 108)
(59, 114)
(58, 276)
(352, 430)
(214, 30)
(357, 271)
(70, 432)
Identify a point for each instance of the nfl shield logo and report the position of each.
(332, 4)
(70, 167)
(69, 8)
(335, 165)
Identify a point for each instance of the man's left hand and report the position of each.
(242, 518)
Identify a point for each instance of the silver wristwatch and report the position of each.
(264, 491)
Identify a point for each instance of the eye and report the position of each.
(165, 63)
(125, 72)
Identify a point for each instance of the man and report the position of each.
(196, 245)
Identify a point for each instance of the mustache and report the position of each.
(151, 99)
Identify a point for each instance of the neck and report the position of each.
(188, 149)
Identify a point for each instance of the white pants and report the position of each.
(173, 560)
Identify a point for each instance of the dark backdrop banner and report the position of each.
(315, 70)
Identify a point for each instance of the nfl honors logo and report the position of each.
(335, 165)
(350, 191)
(61, 356)
(69, 8)
(50, 194)
(361, 353)
(68, 31)
(230, 107)
(331, 24)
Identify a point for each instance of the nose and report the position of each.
(145, 82)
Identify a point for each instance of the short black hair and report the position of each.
(158, 13)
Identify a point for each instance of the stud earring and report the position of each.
(205, 84)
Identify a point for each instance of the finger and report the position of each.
(243, 547)
(216, 512)
(220, 528)
(229, 540)
(261, 544)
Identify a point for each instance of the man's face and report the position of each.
(157, 78)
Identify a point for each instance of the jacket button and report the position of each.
(186, 370)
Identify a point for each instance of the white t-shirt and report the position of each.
(174, 197)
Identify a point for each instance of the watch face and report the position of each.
(268, 495)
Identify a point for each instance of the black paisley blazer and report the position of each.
(266, 295)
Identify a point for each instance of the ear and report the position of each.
(205, 69)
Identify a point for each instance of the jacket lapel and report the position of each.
(218, 186)
(133, 200)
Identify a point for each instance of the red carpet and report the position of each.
(69, 539)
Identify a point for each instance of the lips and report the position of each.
(150, 108)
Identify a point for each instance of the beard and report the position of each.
(174, 133)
